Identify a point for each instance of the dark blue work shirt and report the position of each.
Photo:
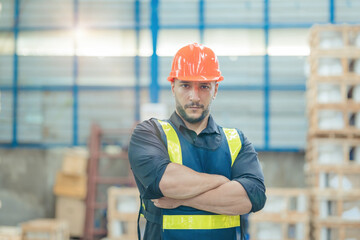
(149, 158)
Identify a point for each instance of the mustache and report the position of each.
(194, 105)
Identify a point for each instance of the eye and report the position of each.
(185, 85)
(205, 87)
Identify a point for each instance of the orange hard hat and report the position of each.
(195, 62)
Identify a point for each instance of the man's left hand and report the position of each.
(167, 203)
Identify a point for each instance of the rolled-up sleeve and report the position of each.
(247, 171)
(148, 159)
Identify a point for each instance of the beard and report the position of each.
(181, 110)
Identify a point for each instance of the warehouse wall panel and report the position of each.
(30, 118)
(241, 110)
(57, 117)
(110, 13)
(45, 71)
(46, 43)
(111, 110)
(235, 42)
(6, 70)
(299, 11)
(6, 117)
(287, 70)
(289, 42)
(173, 12)
(44, 117)
(6, 13)
(105, 42)
(347, 11)
(104, 71)
(171, 40)
(7, 44)
(247, 11)
(241, 70)
(288, 126)
(40, 13)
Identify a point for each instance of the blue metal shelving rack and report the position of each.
(154, 86)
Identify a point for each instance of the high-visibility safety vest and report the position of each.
(189, 223)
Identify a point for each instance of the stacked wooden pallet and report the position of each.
(47, 229)
(123, 209)
(333, 152)
(284, 217)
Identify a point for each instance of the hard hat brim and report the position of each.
(197, 79)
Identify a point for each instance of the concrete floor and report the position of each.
(27, 177)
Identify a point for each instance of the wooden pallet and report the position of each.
(322, 122)
(123, 209)
(345, 207)
(339, 152)
(289, 220)
(346, 62)
(336, 179)
(333, 229)
(320, 95)
(49, 229)
(346, 33)
(10, 233)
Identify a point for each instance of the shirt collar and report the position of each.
(179, 123)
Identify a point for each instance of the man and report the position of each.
(195, 178)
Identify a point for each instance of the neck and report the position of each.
(196, 127)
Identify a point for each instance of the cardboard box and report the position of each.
(75, 161)
(70, 185)
(72, 211)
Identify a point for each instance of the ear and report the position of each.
(172, 87)
(216, 90)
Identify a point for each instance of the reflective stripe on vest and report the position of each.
(200, 221)
(233, 139)
(173, 143)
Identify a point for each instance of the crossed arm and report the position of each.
(208, 192)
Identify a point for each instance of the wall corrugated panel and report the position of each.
(288, 125)
(40, 13)
(30, 117)
(7, 45)
(243, 110)
(347, 11)
(57, 117)
(145, 71)
(107, 71)
(6, 70)
(7, 13)
(246, 11)
(6, 119)
(112, 110)
(242, 70)
(110, 13)
(45, 117)
(47, 70)
(287, 70)
(115, 71)
(299, 11)
(178, 12)
(164, 70)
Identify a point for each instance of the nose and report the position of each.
(194, 94)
